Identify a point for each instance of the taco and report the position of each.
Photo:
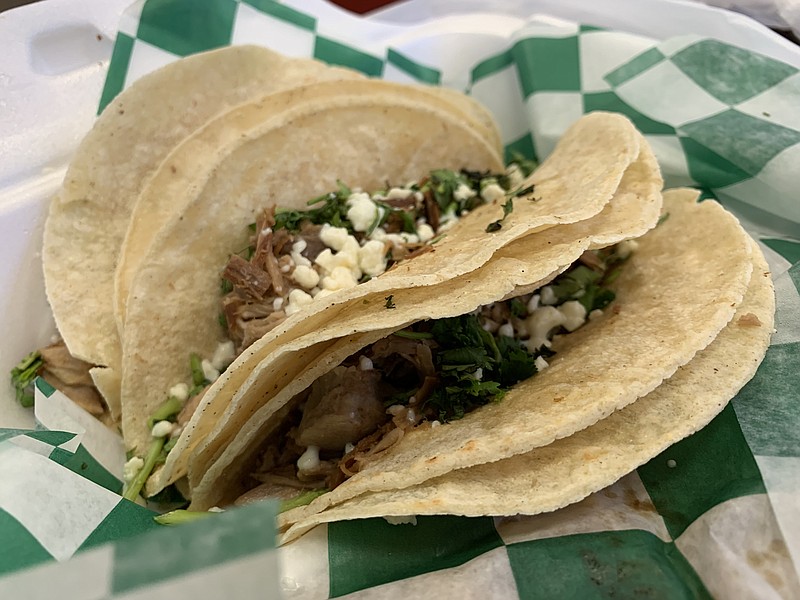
(672, 302)
(178, 179)
(87, 220)
(574, 184)
(571, 468)
(366, 135)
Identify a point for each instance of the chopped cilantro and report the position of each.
(332, 211)
(181, 516)
(518, 308)
(413, 335)
(22, 377)
(508, 208)
(523, 191)
(475, 367)
(584, 285)
(301, 499)
(132, 489)
(390, 301)
(167, 411)
(196, 365)
(526, 165)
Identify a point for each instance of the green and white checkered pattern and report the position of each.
(718, 514)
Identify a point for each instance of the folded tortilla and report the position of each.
(189, 167)
(523, 265)
(574, 184)
(362, 136)
(88, 218)
(673, 298)
(571, 468)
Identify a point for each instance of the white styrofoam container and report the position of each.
(53, 59)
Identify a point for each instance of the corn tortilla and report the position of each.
(88, 218)
(571, 468)
(573, 184)
(527, 262)
(601, 368)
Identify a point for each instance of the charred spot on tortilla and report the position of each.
(749, 320)
(390, 301)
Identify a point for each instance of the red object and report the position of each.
(361, 6)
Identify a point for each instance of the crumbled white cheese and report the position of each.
(132, 468)
(399, 193)
(540, 323)
(277, 304)
(379, 233)
(296, 253)
(333, 237)
(286, 268)
(490, 326)
(216, 509)
(179, 391)
(309, 460)
(547, 296)
(435, 424)
(595, 314)
(425, 232)
(506, 329)
(340, 278)
(396, 238)
(162, 429)
(346, 257)
(306, 276)
(364, 363)
(540, 363)
(362, 211)
(410, 238)
(533, 303)
(401, 520)
(478, 374)
(514, 174)
(348, 448)
(463, 192)
(574, 314)
(372, 258)
(492, 192)
(448, 218)
(297, 300)
(223, 355)
(209, 371)
(624, 249)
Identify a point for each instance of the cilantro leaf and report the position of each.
(517, 364)
(526, 165)
(22, 377)
(508, 208)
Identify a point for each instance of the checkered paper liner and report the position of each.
(716, 514)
